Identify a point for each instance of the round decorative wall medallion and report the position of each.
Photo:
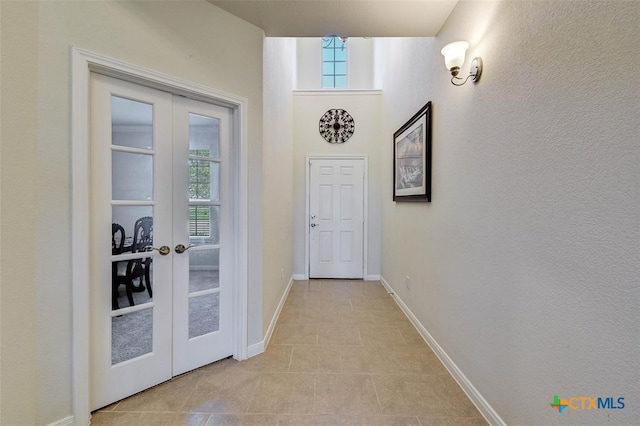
(337, 126)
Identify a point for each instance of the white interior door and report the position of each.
(202, 289)
(336, 221)
(131, 148)
(159, 179)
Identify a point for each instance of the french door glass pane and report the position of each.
(204, 225)
(204, 270)
(204, 180)
(132, 176)
(131, 123)
(131, 282)
(132, 228)
(131, 335)
(126, 216)
(204, 314)
(204, 136)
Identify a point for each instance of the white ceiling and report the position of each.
(346, 18)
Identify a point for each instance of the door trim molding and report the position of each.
(365, 233)
(83, 62)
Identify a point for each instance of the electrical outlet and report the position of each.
(407, 281)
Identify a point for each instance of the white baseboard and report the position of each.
(478, 400)
(303, 277)
(67, 421)
(260, 347)
(387, 286)
(276, 314)
(255, 349)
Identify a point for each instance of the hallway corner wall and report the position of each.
(277, 164)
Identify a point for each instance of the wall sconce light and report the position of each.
(454, 58)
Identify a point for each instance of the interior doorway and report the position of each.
(83, 63)
(160, 180)
(336, 219)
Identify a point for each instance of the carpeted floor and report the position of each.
(132, 333)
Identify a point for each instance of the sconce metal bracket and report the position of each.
(475, 70)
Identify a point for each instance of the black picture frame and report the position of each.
(412, 158)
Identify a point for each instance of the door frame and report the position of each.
(83, 62)
(365, 207)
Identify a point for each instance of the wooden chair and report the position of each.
(142, 242)
(117, 247)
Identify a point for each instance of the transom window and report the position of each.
(334, 63)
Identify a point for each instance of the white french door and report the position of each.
(161, 300)
(201, 285)
(336, 218)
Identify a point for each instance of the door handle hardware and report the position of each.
(313, 225)
(180, 248)
(164, 250)
(313, 216)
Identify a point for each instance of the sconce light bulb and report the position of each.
(454, 54)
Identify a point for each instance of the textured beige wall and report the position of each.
(194, 41)
(0, 207)
(525, 266)
(277, 183)
(19, 199)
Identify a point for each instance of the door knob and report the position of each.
(180, 248)
(313, 225)
(164, 250)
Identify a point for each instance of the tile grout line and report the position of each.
(208, 419)
(290, 359)
(375, 389)
(253, 393)
(315, 386)
(193, 390)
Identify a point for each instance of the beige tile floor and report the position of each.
(342, 353)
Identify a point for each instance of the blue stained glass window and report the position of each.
(334, 63)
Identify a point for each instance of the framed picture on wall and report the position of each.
(412, 158)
